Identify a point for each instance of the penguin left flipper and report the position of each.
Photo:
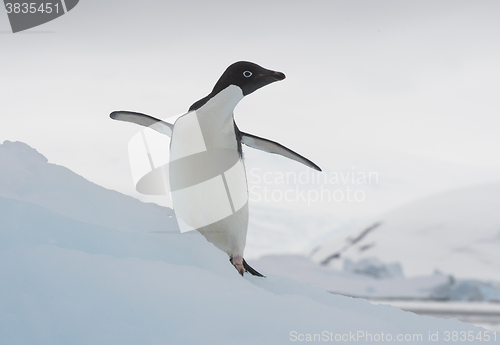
(143, 120)
(274, 147)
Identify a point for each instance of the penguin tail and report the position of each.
(250, 270)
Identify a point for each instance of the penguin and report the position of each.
(206, 170)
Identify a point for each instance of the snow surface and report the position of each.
(457, 233)
(69, 278)
(26, 175)
(481, 314)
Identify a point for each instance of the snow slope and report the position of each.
(66, 280)
(457, 232)
(26, 175)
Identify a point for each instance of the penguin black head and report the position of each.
(246, 75)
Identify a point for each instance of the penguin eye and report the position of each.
(247, 74)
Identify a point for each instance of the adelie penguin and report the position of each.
(206, 172)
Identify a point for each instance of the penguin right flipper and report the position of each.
(250, 270)
(274, 147)
(143, 120)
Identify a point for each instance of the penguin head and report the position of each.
(247, 76)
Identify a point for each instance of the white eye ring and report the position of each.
(247, 74)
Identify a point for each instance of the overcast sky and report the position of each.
(365, 79)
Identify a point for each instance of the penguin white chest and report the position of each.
(209, 127)
(207, 175)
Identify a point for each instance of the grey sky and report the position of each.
(364, 78)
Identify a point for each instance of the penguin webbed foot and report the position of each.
(238, 264)
(250, 270)
(242, 266)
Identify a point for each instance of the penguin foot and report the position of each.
(242, 266)
(237, 262)
(250, 270)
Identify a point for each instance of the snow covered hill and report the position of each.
(26, 175)
(66, 279)
(457, 232)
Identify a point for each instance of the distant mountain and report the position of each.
(26, 175)
(347, 283)
(294, 209)
(373, 279)
(456, 232)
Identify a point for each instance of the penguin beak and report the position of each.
(276, 76)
